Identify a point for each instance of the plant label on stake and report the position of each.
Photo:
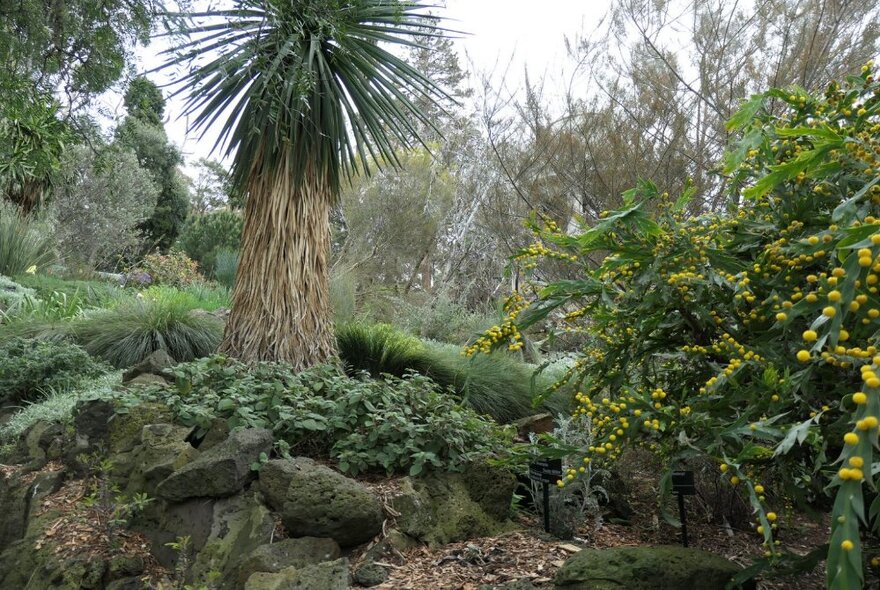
(683, 485)
(546, 471)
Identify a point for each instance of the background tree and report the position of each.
(212, 189)
(98, 205)
(73, 49)
(32, 141)
(310, 97)
(143, 133)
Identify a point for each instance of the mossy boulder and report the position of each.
(331, 575)
(665, 567)
(127, 424)
(221, 471)
(19, 497)
(443, 508)
(158, 364)
(370, 574)
(23, 565)
(296, 553)
(240, 524)
(319, 502)
(162, 450)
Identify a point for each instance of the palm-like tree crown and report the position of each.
(306, 85)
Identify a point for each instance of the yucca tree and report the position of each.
(308, 93)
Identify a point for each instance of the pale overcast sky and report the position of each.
(501, 34)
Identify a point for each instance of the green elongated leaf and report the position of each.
(846, 210)
(746, 113)
(796, 434)
(787, 171)
(823, 132)
(313, 90)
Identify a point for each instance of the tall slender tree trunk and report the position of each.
(281, 301)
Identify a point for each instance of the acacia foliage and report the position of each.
(749, 336)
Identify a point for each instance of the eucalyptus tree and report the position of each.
(307, 93)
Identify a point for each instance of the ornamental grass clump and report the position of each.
(129, 333)
(26, 242)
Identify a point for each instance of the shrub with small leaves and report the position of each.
(29, 368)
(175, 269)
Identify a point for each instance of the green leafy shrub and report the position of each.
(175, 269)
(30, 368)
(225, 267)
(205, 236)
(127, 334)
(25, 241)
(445, 320)
(366, 424)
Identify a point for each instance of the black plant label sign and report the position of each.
(546, 470)
(683, 483)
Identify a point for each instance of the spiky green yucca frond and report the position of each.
(307, 84)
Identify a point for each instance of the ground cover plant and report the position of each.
(56, 404)
(749, 337)
(391, 424)
(13, 295)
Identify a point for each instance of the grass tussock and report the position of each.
(499, 385)
(129, 333)
(25, 241)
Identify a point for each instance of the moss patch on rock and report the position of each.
(666, 567)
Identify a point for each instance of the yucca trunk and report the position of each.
(281, 301)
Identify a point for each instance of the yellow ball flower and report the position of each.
(859, 398)
(834, 295)
(803, 356)
(851, 438)
(829, 312)
(847, 545)
(810, 336)
(771, 516)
